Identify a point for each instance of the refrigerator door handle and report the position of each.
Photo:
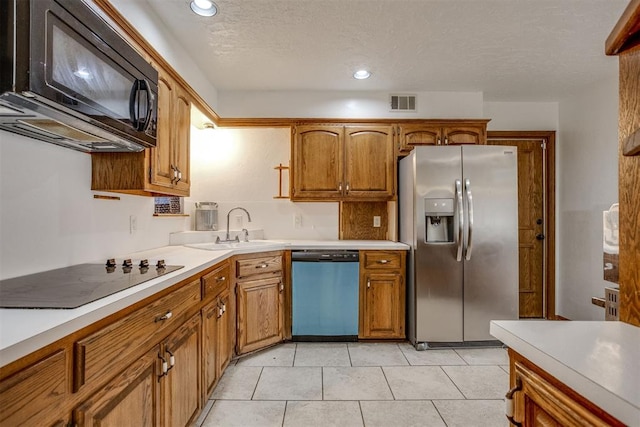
(460, 226)
(469, 248)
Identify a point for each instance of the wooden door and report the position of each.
(259, 313)
(382, 314)
(161, 155)
(225, 331)
(180, 143)
(181, 388)
(369, 162)
(456, 135)
(130, 399)
(411, 135)
(531, 227)
(317, 156)
(210, 315)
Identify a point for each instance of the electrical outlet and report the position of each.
(376, 221)
(297, 220)
(133, 224)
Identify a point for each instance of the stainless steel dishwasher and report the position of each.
(325, 295)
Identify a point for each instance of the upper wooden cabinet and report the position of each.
(163, 170)
(449, 132)
(332, 162)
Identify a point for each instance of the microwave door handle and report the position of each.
(460, 222)
(134, 105)
(467, 188)
(144, 85)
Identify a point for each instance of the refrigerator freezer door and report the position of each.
(491, 272)
(438, 275)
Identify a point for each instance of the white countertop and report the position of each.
(23, 331)
(599, 360)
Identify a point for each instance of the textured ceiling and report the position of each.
(518, 50)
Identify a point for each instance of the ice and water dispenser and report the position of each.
(438, 220)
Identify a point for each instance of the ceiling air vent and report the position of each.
(403, 103)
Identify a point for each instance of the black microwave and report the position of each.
(67, 77)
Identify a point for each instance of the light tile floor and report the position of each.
(361, 384)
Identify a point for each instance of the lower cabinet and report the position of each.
(382, 294)
(160, 388)
(260, 313)
(218, 325)
(539, 399)
(27, 397)
(131, 398)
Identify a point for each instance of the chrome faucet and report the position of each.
(228, 215)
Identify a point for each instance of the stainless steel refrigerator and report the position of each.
(458, 210)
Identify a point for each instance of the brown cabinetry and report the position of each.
(154, 171)
(259, 300)
(382, 294)
(448, 132)
(332, 162)
(218, 326)
(34, 395)
(542, 400)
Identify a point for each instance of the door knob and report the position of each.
(540, 237)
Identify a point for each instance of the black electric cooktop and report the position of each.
(74, 286)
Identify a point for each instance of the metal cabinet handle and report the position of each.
(340, 187)
(508, 400)
(383, 261)
(165, 366)
(281, 287)
(368, 283)
(439, 141)
(262, 266)
(347, 187)
(221, 279)
(178, 176)
(172, 359)
(446, 140)
(166, 316)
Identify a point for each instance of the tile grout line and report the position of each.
(453, 382)
(257, 382)
(387, 381)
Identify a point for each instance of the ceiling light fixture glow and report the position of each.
(361, 74)
(204, 7)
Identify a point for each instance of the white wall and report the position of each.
(235, 167)
(587, 184)
(153, 30)
(522, 116)
(49, 218)
(356, 104)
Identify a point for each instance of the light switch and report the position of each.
(376, 221)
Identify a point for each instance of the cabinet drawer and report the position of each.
(261, 265)
(382, 259)
(104, 352)
(216, 281)
(35, 395)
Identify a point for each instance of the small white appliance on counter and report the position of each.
(459, 213)
(206, 216)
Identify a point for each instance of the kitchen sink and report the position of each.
(250, 245)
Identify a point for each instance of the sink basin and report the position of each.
(253, 244)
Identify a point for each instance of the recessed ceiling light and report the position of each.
(361, 74)
(204, 7)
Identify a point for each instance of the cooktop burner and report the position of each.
(72, 287)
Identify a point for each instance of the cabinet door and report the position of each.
(210, 315)
(130, 399)
(419, 134)
(161, 155)
(181, 390)
(34, 396)
(317, 156)
(181, 142)
(469, 134)
(382, 313)
(225, 332)
(369, 162)
(259, 313)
